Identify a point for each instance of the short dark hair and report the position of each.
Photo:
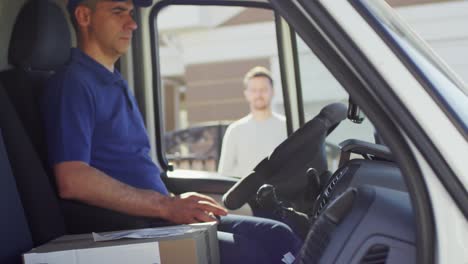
(258, 71)
(89, 3)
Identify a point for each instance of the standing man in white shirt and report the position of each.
(252, 138)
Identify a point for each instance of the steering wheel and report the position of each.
(287, 166)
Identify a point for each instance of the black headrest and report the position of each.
(41, 38)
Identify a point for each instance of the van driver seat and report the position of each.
(40, 44)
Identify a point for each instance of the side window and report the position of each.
(320, 88)
(205, 53)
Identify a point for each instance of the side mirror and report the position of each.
(354, 112)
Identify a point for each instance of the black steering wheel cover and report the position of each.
(286, 167)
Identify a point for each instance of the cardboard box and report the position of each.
(199, 245)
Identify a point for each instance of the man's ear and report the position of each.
(83, 16)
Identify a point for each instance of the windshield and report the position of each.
(449, 90)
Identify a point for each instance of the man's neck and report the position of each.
(99, 56)
(260, 115)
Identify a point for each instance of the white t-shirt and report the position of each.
(248, 141)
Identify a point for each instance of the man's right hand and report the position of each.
(193, 208)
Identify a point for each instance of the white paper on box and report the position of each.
(144, 233)
(144, 253)
(196, 244)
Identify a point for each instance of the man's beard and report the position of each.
(263, 105)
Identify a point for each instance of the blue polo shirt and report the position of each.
(91, 116)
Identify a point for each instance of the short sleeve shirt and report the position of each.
(91, 116)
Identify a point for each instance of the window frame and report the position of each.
(157, 82)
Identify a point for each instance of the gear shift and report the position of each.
(267, 199)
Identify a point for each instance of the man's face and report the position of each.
(259, 93)
(111, 26)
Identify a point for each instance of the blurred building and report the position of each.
(205, 54)
(205, 51)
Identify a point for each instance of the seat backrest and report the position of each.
(15, 237)
(36, 192)
(40, 44)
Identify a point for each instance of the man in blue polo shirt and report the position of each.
(99, 149)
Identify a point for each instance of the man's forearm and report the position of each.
(79, 181)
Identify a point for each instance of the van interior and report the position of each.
(358, 212)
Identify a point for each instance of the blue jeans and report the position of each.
(245, 239)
